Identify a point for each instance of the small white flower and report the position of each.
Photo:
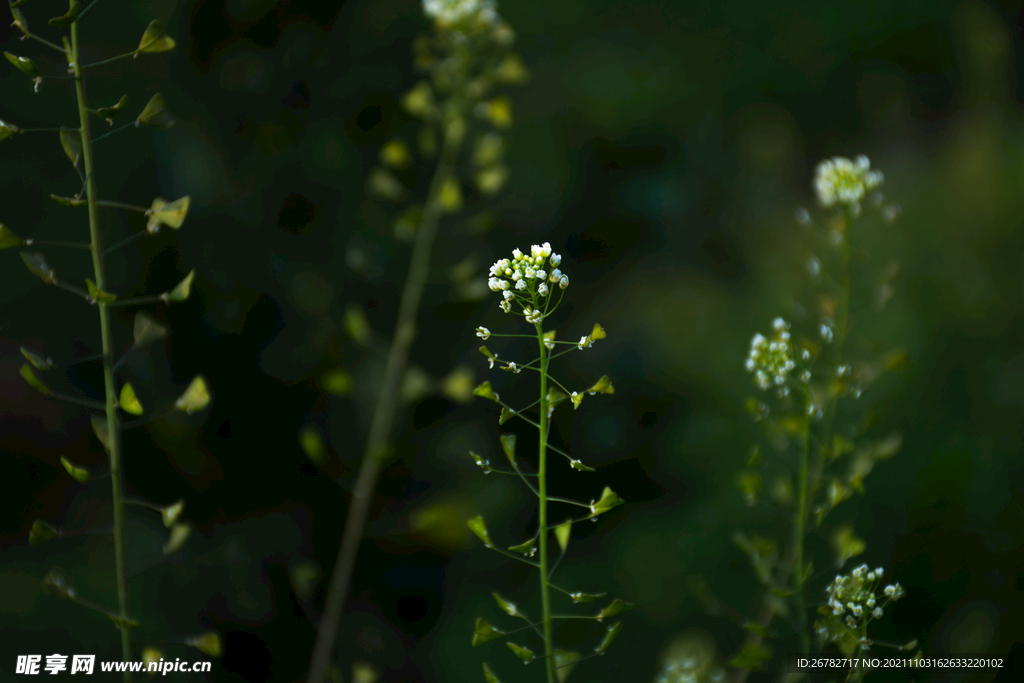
(518, 254)
(541, 275)
(877, 613)
(494, 284)
(878, 572)
(534, 316)
(517, 275)
(521, 285)
(556, 259)
(858, 610)
(490, 361)
(483, 332)
(505, 305)
(512, 366)
(583, 343)
(779, 325)
(563, 281)
(507, 294)
(890, 590)
(542, 289)
(530, 273)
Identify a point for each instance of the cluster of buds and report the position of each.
(854, 600)
(771, 360)
(450, 12)
(841, 181)
(527, 279)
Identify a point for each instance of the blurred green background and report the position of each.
(662, 148)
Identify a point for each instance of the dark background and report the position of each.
(662, 148)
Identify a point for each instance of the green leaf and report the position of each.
(562, 533)
(602, 386)
(479, 527)
(171, 513)
(154, 39)
(99, 428)
(29, 375)
(123, 623)
(41, 532)
(609, 499)
(38, 361)
(8, 239)
(23, 64)
(109, 113)
(507, 607)
(69, 201)
(155, 113)
(482, 463)
(847, 544)
(71, 141)
(129, 401)
(179, 534)
(38, 266)
(616, 606)
(195, 398)
(182, 290)
(485, 632)
(524, 653)
(7, 130)
(79, 474)
(751, 657)
(586, 597)
(489, 676)
(565, 662)
(337, 382)
(147, 330)
(505, 416)
(609, 637)
(67, 19)
(171, 214)
(99, 296)
(485, 391)
(312, 444)
(525, 548)
(577, 465)
(207, 643)
(508, 445)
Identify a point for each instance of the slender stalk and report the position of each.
(48, 243)
(542, 540)
(799, 530)
(383, 416)
(113, 426)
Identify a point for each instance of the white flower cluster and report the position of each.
(526, 279)
(772, 360)
(853, 596)
(454, 11)
(841, 181)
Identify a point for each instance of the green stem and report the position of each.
(113, 426)
(383, 416)
(799, 530)
(545, 595)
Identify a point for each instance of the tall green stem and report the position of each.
(799, 529)
(383, 415)
(542, 491)
(113, 425)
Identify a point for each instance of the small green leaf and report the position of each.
(577, 465)
(489, 676)
(609, 637)
(38, 266)
(602, 386)
(24, 64)
(67, 19)
(155, 113)
(485, 632)
(79, 474)
(751, 657)
(71, 141)
(609, 499)
(562, 533)
(99, 428)
(207, 643)
(69, 201)
(508, 445)
(154, 39)
(507, 607)
(41, 532)
(479, 527)
(129, 401)
(312, 444)
(565, 662)
(598, 333)
(524, 653)
(171, 214)
(147, 330)
(109, 113)
(482, 463)
(171, 513)
(616, 606)
(29, 375)
(847, 544)
(182, 290)
(586, 597)
(179, 534)
(38, 361)
(8, 239)
(195, 398)
(505, 416)
(99, 296)
(6, 129)
(125, 624)
(525, 548)
(485, 391)
(337, 382)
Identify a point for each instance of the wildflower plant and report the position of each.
(120, 395)
(806, 375)
(531, 286)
